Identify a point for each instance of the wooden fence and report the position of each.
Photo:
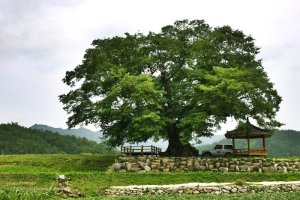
(140, 150)
(250, 152)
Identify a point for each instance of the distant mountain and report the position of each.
(95, 136)
(80, 132)
(164, 144)
(282, 143)
(212, 139)
(15, 139)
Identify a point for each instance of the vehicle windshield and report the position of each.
(218, 146)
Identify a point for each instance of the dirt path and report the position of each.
(203, 185)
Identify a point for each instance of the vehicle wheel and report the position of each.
(227, 155)
(207, 154)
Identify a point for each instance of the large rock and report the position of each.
(189, 163)
(129, 166)
(289, 169)
(243, 168)
(210, 167)
(223, 169)
(215, 188)
(165, 160)
(142, 165)
(227, 187)
(155, 163)
(197, 165)
(153, 166)
(243, 190)
(117, 166)
(234, 190)
(260, 170)
(257, 165)
(248, 163)
(182, 163)
(232, 166)
(202, 168)
(142, 158)
(217, 165)
(269, 169)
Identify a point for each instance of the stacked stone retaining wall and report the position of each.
(167, 164)
(198, 189)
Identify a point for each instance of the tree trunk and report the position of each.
(176, 148)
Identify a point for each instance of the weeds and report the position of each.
(240, 182)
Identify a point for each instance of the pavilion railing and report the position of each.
(140, 150)
(250, 152)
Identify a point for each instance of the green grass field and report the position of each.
(34, 177)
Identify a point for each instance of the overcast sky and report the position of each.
(40, 40)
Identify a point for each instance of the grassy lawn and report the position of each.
(54, 163)
(103, 180)
(34, 176)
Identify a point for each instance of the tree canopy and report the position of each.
(180, 83)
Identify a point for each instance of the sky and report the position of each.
(42, 39)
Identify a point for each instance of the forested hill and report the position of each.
(282, 143)
(15, 139)
(80, 132)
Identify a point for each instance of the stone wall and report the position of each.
(198, 189)
(166, 164)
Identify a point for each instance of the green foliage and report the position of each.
(183, 81)
(282, 143)
(15, 139)
(240, 182)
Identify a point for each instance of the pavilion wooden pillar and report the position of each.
(233, 146)
(248, 141)
(264, 146)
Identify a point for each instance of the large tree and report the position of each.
(180, 83)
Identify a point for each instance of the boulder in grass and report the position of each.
(269, 169)
(223, 169)
(147, 168)
(142, 165)
(117, 166)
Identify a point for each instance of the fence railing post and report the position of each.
(130, 150)
(142, 149)
(151, 150)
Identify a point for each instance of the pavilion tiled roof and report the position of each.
(252, 132)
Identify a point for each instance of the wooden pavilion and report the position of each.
(252, 132)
